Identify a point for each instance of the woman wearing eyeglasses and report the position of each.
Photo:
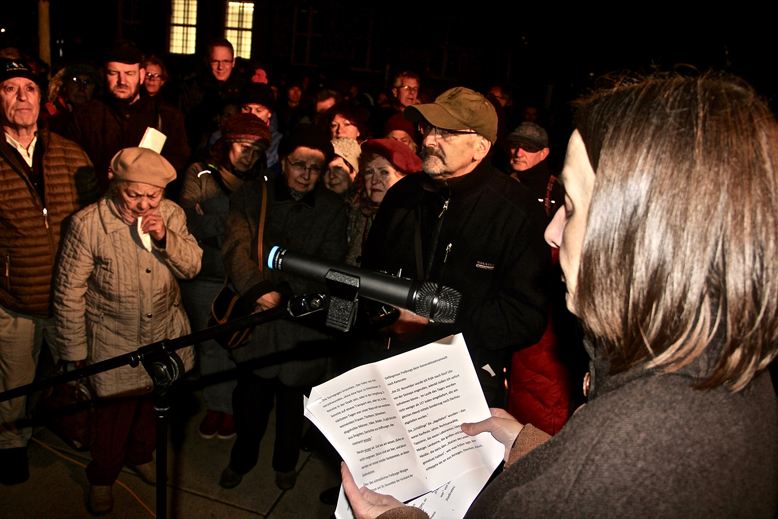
(284, 358)
(156, 75)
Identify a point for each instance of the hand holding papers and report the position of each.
(397, 424)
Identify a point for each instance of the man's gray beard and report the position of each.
(428, 165)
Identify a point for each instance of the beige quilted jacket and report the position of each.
(112, 296)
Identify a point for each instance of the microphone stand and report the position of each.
(164, 367)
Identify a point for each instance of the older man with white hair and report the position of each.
(43, 179)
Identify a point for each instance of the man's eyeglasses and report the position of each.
(82, 82)
(408, 88)
(300, 167)
(154, 77)
(441, 133)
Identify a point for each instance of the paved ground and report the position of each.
(58, 487)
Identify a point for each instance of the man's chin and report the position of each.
(433, 168)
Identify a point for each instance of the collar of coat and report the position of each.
(7, 152)
(282, 194)
(461, 185)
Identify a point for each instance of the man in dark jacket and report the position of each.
(465, 225)
(43, 179)
(528, 148)
(203, 96)
(120, 119)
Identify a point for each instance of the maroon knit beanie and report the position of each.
(246, 128)
(397, 153)
(398, 122)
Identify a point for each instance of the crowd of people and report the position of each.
(127, 207)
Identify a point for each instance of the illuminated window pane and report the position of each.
(183, 28)
(238, 24)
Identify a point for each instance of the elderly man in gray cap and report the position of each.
(465, 225)
(528, 147)
(44, 178)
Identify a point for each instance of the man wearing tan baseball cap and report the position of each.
(465, 225)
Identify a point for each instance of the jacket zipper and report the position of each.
(438, 227)
(46, 217)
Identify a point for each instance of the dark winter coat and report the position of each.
(487, 243)
(296, 350)
(103, 127)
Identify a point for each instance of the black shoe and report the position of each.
(330, 496)
(286, 480)
(16, 468)
(230, 478)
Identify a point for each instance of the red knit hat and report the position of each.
(246, 128)
(397, 153)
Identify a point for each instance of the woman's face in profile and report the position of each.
(566, 230)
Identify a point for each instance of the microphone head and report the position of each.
(437, 303)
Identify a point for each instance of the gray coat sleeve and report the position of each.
(70, 286)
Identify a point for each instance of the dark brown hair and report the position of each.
(681, 243)
(348, 111)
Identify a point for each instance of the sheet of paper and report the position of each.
(396, 423)
(450, 501)
(153, 139)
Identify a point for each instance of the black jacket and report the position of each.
(488, 244)
(103, 127)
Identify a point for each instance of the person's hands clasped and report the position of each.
(503, 426)
(154, 225)
(365, 503)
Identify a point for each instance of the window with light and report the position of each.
(183, 27)
(238, 25)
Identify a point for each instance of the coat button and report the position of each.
(148, 315)
(148, 271)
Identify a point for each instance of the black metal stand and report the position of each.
(164, 367)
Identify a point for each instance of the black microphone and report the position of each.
(436, 303)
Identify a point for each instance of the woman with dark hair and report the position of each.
(669, 248)
(205, 198)
(285, 357)
(344, 120)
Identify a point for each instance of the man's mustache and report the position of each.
(431, 152)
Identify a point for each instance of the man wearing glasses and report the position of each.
(406, 88)
(463, 224)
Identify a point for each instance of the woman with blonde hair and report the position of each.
(669, 247)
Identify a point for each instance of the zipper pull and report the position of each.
(445, 207)
(7, 264)
(448, 249)
(46, 217)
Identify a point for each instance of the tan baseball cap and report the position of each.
(458, 108)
